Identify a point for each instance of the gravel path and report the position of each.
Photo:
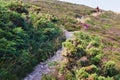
(43, 67)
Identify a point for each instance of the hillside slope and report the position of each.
(105, 25)
(65, 12)
(31, 31)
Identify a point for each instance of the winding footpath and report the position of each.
(43, 67)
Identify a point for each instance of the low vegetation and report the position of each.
(31, 32)
(26, 38)
(84, 60)
(66, 12)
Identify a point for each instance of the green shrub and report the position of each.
(22, 47)
(81, 74)
(71, 50)
(95, 43)
(62, 67)
(69, 76)
(83, 36)
(48, 77)
(109, 68)
(110, 64)
(92, 55)
(80, 51)
(93, 77)
(117, 77)
(94, 51)
(97, 59)
(17, 6)
(90, 69)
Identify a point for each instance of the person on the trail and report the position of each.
(97, 9)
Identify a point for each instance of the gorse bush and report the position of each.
(17, 6)
(96, 59)
(81, 74)
(25, 39)
(83, 56)
(94, 51)
(109, 68)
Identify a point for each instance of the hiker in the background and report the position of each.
(97, 9)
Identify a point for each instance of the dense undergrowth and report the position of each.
(27, 37)
(84, 60)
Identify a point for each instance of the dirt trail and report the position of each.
(97, 14)
(43, 67)
(83, 19)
